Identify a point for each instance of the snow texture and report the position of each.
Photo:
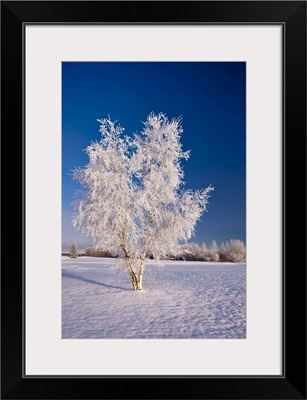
(181, 299)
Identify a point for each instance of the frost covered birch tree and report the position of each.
(134, 204)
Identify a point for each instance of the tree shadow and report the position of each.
(80, 278)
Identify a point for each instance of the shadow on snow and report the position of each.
(79, 278)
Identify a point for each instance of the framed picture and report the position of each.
(226, 321)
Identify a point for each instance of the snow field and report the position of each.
(180, 300)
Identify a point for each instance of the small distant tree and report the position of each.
(73, 251)
(196, 253)
(201, 254)
(134, 203)
(213, 253)
(233, 251)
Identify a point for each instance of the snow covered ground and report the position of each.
(180, 300)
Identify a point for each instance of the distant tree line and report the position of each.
(98, 252)
(232, 251)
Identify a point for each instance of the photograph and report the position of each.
(154, 200)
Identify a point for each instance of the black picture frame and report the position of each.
(292, 16)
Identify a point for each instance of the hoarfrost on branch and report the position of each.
(134, 203)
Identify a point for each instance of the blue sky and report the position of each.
(210, 97)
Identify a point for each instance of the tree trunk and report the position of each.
(133, 275)
(141, 274)
(136, 283)
(136, 280)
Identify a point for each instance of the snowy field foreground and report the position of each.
(180, 300)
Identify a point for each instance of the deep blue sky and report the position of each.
(209, 96)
